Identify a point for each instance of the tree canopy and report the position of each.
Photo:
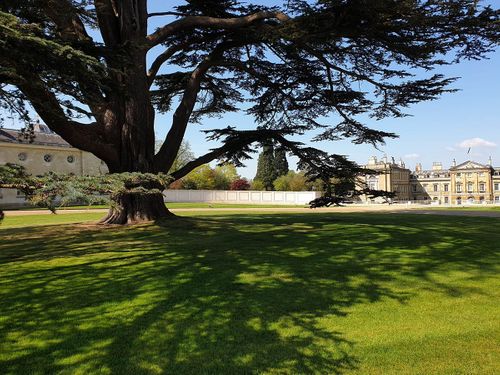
(302, 66)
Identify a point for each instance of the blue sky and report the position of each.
(437, 131)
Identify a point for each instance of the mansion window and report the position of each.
(445, 199)
(436, 187)
(445, 187)
(373, 183)
(459, 188)
(414, 188)
(497, 186)
(470, 187)
(459, 174)
(482, 187)
(19, 194)
(47, 158)
(70, 159)
(22, 156)
(497, 199)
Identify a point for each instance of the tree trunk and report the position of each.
(129, 118)
(135, 208)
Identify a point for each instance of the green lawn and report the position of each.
(239, 293)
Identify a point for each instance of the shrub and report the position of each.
(257, 185)
(240, 184)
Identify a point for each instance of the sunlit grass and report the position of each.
(233, 293)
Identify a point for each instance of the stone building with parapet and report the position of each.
(46, 152)
(467, 183)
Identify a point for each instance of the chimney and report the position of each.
(372, 160)
(418, 167)
(454, 163)
(490, 162)
(437, 166)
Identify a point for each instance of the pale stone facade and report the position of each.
(390, 176)
(48, 152)
(467, 183)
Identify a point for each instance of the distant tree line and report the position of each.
(205, 177)
(272, 174)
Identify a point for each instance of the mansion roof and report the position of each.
(42, 138)
(469, 164)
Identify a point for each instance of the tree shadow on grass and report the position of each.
(227, 294)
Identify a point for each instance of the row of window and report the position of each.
(46, 158)
(469, 174)
(459, 187)
(435, 187)
(470, 187)
(445, 175)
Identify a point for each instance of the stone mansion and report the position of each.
(468, 182)
(465, 183)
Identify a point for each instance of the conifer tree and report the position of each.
(280, 162)
(293, 65)
(266, 172)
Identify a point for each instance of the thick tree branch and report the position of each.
(168, 151)
(159, 14)
(45, 103)
(162, 58)
(69, 24)
(72, 29)
(109, 26)
(188, 23)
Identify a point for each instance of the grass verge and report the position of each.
(262, 293)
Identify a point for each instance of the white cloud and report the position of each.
(476, 142)
(412, 156)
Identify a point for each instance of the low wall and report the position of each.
(241, 196)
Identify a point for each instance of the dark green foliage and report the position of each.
(54, 190)
(266, 172)
(280, 162)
